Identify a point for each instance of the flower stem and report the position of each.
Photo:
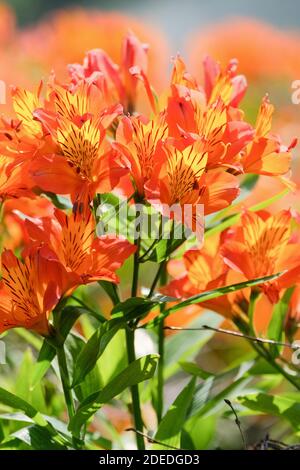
(161, 352)
(160, 372)
(156, 279)
(64, 375)
(136, 406)
(263, 352)
(135, 277)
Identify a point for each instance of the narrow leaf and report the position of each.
(138, 371)
(211, 294)
(93, 349)
(169, 430)
(64, 323)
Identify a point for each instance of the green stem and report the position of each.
(261, 348)
(136, 406)
(262, 351)
(160, 372)
(156, 279)
(65, 380)
(135, 397)
(135, 277)
(161, 350)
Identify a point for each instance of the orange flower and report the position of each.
(175, 184)
(30, 289)
(220, 128)
(83, 162)
(13, 180)
(266, 155)
(182, 179)
(225, 84)
(204, 269)
(12, 227)
(118, 83)
(73, 240)
(141, 143)
(260, 246)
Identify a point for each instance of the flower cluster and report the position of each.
(88, 136)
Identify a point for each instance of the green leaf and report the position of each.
(111, 289)
(58, 201)
(170, 427)
(198, 433)
(23, 384)
(108, 213)
(93, 349)
(114, 358)
(38, 438)
(92, 381)
(12, 443)
(133, 308)
(211, 294)
(196, 371)
(64, 322)
(186, 344)
(15, 402)
(249, 181)
(205, 403)
(138, 371)
(274, 405)
(262, 367)
(209, 399)
(45, 357)
(276, 326)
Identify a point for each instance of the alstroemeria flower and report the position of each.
(140, 141)
(261, 246)
(30, 289)
(219, 128)
(226, 84)
(118, 83)
(266, 155)
(73, 240)
(202, 270)
(182, 180)
(84, 162)
(11, 182)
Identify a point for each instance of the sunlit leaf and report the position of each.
(138, 371)
(170, 427)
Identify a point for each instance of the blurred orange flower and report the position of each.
(243, 38)
(66, 36)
